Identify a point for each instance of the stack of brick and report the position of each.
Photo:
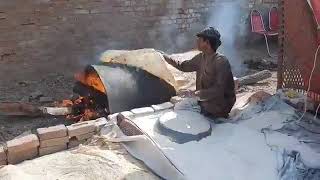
(80, 133)
(3, 156)
(142, 111)
(23, 148)
(53, 139)
(163, 106)
(99, 124)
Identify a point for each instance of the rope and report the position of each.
(309, 85)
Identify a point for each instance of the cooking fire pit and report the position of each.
(110, 88)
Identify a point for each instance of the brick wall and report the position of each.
(45, 27)
(46, 37)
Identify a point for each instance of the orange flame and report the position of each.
(84, 107)
(91, 79)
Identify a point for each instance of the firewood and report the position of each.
(254, 78)
(19, 109)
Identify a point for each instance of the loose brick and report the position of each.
(3, 155)
(54, 142)
(80, 128)
(26, 154)
(52, 132)
(52, 149)
(163, 106)
(23, 143)
(142, 111)
(127, 114)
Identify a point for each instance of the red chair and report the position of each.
(274, 20)
(257, 26)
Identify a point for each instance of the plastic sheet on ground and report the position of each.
(264, 141)
(252, 147)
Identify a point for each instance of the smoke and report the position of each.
(171, 40)
(228, 19)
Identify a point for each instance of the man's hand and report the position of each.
(165, 55)
(197, 96)
(197, 93)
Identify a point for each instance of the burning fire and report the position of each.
(91, 79)
(86, 107)
(83, 109)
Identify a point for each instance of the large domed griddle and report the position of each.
(128, 87)
(184, 126)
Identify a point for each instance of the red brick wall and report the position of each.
(40, 38)
(40, 28)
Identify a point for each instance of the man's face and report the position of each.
(201, 44)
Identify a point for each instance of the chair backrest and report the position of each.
(274, 19)
(257, 24)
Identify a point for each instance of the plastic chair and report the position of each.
(257, 26)
(274, 20)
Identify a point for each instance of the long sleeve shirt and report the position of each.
(214, 82)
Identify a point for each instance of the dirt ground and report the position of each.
(57, 82)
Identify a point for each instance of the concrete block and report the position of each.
(3, 154)
(52, 132)
(163, 106)
(85, 136)
(127, 114)
(23, 143)
(26, 154)
(54, 142)
(142, 111)
(80, 128)
(52, 149)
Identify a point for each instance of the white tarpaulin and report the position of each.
(265, 143)
(248, 149)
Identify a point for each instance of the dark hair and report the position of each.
(212, 35)
(214, 43)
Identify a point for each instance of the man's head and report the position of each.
(208, 39)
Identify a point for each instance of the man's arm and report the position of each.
(217, 90)
(185, 66)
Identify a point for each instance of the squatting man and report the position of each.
(215, 91)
